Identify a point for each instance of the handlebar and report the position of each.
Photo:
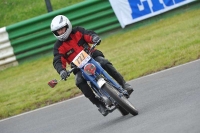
(91, 49)
(53, 83)
(93, 46)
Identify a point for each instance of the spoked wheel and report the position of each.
(121, 100)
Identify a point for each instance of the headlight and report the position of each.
(90, 69)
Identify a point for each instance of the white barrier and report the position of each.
(7, 57)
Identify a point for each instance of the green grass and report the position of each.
(13, 11)
(134, 53)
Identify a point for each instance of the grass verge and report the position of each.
(13, 11)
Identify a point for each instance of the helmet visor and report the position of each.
(56, 31)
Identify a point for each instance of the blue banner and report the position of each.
(130, 11)
(148, 7)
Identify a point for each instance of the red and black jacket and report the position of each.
(65, 51)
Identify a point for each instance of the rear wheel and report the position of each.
(121, 100)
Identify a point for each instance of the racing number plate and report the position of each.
(81, 59)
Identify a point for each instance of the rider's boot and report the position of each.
(102, 109)
(118, 77)
(85, 88)
(128, 88)
(101, 106)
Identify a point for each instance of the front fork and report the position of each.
(114, 84)
(120, 91)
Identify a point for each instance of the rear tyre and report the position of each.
(121, 100)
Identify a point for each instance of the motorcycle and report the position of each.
(105, 88)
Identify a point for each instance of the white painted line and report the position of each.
(41, 108)
(168, 69)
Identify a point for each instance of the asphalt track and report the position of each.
(168, 102)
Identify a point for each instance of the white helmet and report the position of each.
(59, 22)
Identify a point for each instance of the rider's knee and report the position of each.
(102, 61)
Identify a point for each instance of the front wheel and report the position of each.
(122, 111)
(121, 100)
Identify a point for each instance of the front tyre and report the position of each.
(121, 100)
(122, 111)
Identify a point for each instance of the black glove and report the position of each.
(64, 74)
(96, 39)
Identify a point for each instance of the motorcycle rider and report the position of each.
(70, 42)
